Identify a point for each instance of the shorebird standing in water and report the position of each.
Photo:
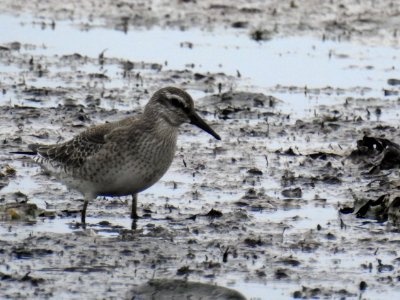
(125, 157)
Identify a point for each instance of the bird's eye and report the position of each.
(177, 103)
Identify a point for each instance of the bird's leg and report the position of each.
(85, 205)
(134, 224)
(134, 214)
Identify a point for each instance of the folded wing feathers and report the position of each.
(73, 153)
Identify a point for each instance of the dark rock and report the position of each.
(281, 274)
(214, 214)
(261, 35)
(255, 171)
(363, 286)
(393, 81)
(183, 271)
(253, 242)
(240, 24)
(292, 193)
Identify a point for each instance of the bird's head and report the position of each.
(176, 107)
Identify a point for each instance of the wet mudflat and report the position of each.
(299, 199)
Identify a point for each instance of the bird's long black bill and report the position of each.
(195, 119)
(23, 152)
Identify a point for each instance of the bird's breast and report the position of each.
(139, 170)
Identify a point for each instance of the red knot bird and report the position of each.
(124, 157)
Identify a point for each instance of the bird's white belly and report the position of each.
(131, 179)
(130, 182)
(126, 183)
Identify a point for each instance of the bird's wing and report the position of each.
(76, 151)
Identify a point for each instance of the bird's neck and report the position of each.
(165, 129)
(160, 127)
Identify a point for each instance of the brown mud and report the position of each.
(286, 205)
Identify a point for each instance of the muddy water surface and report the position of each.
(257, 212)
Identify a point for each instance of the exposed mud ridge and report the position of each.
(299, 199)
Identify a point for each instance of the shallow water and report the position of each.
(273, 66)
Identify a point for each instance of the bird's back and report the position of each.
(73, 153)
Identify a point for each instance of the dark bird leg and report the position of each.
(83, 213)
(134, 215)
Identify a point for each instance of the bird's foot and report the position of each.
(134, 223)
(134, 216)
(80, 225)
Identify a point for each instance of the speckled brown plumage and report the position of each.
(73, 153)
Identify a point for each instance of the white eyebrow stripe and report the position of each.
(170, 96)
(182, 100)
